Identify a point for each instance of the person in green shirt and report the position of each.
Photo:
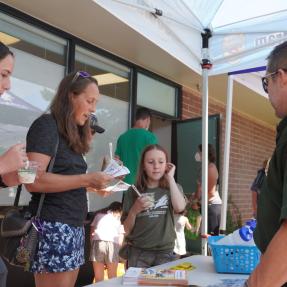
(271, 232)
(131, 143)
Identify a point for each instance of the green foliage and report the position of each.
(234, 218)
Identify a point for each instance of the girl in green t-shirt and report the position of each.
(148, 216)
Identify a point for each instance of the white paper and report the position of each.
(118, 186)
(115, 169)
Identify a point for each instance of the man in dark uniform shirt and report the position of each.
(271, 231)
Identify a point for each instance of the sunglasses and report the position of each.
(265, 79)
(81, 74)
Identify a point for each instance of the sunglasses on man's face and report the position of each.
(265, 79)
(81, 74)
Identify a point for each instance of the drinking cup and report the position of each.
(28, 173)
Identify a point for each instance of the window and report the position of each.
(112, 110)
(39, 67)
(156, 95)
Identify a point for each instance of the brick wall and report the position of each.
(251, 143)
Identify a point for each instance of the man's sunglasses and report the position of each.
(265, 79)
(81, 74)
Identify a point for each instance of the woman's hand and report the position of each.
(13, 159)
(99, 180)
(100, 192)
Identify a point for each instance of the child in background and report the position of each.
(148, 218)
(107, 235)
(180, 223)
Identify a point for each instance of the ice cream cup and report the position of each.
(28, 173)
(150, 197)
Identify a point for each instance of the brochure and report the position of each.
(229, 283)
(155, 276)
(117, 185)
(115, 169)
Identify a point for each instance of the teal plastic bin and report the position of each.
(233, 258)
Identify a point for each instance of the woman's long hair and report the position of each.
(62, 109)
(142, 178)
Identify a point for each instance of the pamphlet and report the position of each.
(183, 266)
(117, 185)
(115, 169)
(229, 283)
(155, 276)
(131, 276)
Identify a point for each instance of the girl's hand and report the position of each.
(170, 170)
(141, 203)
(99, 180)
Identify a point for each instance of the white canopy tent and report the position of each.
(210, 37)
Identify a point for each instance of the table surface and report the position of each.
(203, 275)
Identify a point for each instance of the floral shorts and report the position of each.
(61, 248)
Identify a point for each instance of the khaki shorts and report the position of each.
(143, 258)
(104, 252)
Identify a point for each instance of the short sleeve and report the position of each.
(128, 203)
(96, 219)
(152, 139)
(42, 136)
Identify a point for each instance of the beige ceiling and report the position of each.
(86, 20)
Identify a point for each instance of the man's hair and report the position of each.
(4, 51)
(277, 58)
(142, 114)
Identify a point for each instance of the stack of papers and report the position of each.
(117, 185)
(154, 276)
(115, 169)
(229, 283)
(131, 276)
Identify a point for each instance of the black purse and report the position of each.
(19, 237)
(20, 230)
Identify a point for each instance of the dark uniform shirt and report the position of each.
(272, 205)
(69, 206)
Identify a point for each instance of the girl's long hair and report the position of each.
(142, 178)
(62, 109)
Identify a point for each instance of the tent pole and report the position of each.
(206, 65)
(204, 195)
(225, 174)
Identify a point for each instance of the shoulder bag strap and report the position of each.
(50, 169)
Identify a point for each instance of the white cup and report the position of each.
(28, 173)
(150, 197)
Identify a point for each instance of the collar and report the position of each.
(281, 126)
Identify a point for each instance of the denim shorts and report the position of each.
(60, 249)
